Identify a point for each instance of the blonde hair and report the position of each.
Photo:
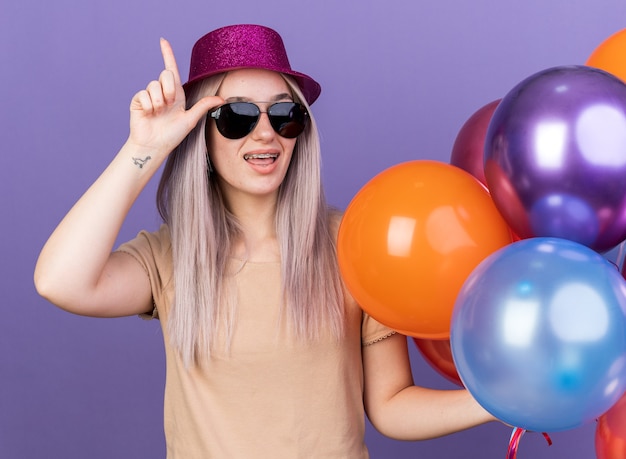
(202, 232)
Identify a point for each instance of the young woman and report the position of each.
(267, 353)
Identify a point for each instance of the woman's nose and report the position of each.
(263, 128)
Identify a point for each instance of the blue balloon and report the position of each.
(538, 334)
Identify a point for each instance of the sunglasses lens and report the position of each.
(236, 120)
(288, 118)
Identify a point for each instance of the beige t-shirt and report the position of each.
(270, 396)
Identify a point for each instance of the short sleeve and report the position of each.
(373, 331)
(152, 250)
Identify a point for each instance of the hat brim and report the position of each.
(309, 87)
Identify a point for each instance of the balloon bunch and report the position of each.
(610, 437)
(495, 263)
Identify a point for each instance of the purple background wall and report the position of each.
(74, 387)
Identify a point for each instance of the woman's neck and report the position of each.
(257, 219)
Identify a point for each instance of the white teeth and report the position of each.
(260, 156)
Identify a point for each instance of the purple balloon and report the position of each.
(555, 156)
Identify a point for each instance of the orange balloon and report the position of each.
(610, 56)
(410, 238)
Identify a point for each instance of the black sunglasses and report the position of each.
(237, 119)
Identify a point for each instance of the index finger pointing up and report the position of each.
(169, 60)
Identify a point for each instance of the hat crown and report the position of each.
(245, 46)
(239, 46)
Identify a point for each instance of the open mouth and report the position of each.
(261, 158)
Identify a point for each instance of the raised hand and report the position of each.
(159, 120)
(76, 269)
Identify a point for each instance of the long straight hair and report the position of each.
(203, 231)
